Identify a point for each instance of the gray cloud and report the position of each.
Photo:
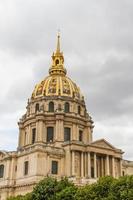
(97, 40)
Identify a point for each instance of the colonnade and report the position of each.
(94, 165)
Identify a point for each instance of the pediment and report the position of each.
(103, 143)
(3, 154)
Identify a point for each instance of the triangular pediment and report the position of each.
(103, 143)
(3, 154)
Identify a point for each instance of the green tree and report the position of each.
(96, 191)
(45, 189)
(66, 190)
(20, 197)
(122, 189)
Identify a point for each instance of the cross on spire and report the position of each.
(58, 42)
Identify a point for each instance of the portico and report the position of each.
(93, 161)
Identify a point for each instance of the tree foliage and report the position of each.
(106, 188)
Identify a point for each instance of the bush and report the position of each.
(45, 189)
(107, 188)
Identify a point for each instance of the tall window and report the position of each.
(80, 135)
(1, 171)
(37, 107)
(54, 167)
(25, 139)
(33, 135)
(26, 167)
(92, 172)
(66, 107)
(51, 107)
(79, 110)
(50, 134)
(67, 134)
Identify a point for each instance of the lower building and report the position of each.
(56, 139)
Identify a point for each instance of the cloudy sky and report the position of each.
(97, 41)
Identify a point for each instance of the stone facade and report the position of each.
(56, 139)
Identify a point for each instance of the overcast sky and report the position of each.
(97, 41)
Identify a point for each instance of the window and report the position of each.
(57, 62)
(67, 134)
(1, 171)
(66, 107)
(54, 167)
(79, 110)
(80, 135)
(33, 135)
(50, 134)
(25, 139)
(26, 167)
(37, 107)
(92, 172)
(51, 107)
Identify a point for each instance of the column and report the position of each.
(85, 163)
(102, 166)
(39, 131)
(68, 163)
(74, 132)
(89, 165)
(73, 163)
(48, 165)
(82, 164)
(113, 166)
(57, 130)
(44, 135)
(107, 165)
(95, 166)
(120, 167)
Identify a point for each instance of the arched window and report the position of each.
(66, 107)
(26, 138)
(33, 135)
(50, 134)
(1, 171)
(57, 62)
(51, 107)
(79, 110)
(67, 134)
(37, 107)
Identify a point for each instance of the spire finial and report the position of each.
(58, 42)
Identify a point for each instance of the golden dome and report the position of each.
(57, 83)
